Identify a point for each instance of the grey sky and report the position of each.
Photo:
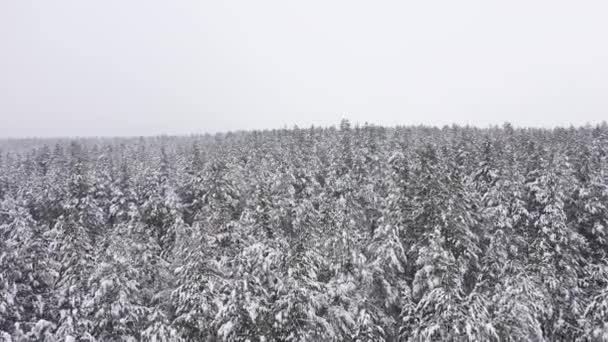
(77, 67)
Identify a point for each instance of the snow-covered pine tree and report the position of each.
(587, 205)
(556, 249)
(159, 205)
(201, 268)
(593, 323)
(390, 290)
(447, 252)
(25, 310)
(191, 190)
(115, 304)
(73, 262)
(73, 240)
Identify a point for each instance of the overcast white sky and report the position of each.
(135, 67)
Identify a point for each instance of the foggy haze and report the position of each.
(85, 68)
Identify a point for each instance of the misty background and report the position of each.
(92, 68)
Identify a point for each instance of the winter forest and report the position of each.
(348, 233)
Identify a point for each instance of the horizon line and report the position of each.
(295, 126)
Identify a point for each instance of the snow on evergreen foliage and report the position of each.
(354, 233)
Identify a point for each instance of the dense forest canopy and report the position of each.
(349, 233)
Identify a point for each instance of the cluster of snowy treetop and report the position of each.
(324, 234)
